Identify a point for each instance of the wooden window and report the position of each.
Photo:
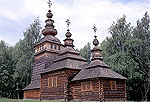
(45, 46)
(55, 46)
(86, 86)
(52, 82)
(51, 46)
(42, 46)
(58, 47)
(38, 48)
(113, 85)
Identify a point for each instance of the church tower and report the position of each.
(45, 52)
(61, 73)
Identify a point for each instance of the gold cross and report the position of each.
(68, 23)
(49, 3)
(94, 28)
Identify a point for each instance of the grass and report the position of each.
(16, 100)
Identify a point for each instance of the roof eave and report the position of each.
(58, 70)
(29, 89)
(98, 77)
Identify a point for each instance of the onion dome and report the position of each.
(49, 28)
(96, 51)
(68, 34)
(68, 42)
(95, 41)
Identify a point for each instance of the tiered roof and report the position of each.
(96, 68)
(68, 58)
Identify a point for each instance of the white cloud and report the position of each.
(1, 38)
(82, 14)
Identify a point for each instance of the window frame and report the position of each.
(84, 84)
(58, 47)
(52, 82)
(42, 46)
(55, 46)
(38, 48)
(111, 85)
(51, 46)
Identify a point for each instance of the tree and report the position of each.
(24, 54)
(141, 51)
(6, 71)
(127, 51)
(16, 62)
(85, 52)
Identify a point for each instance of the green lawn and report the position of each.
(15, 100)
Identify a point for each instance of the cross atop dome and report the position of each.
(68, 42)
(95, 42)
(49, 3)
(94, 28)
(96, 51)
(68, 23)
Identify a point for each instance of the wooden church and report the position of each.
(60, 73)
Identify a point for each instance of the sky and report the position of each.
(17, 15)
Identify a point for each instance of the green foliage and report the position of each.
(24, 55)
(6, 70)
(85, 52)
(127, 51)
(16, 62)
(15, 100)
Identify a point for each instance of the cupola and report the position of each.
(96, 51)
(68, 42)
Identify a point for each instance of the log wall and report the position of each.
(101, 91)
(70, 73)
(91, 95)
(118, 94)
(62, 91)
(32, 94)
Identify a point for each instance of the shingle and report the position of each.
(33, 85)
(97, 69)
(95, 63)
(68, 58)
(98, 72)
(68, 49)
(65, 63)
(49, 38)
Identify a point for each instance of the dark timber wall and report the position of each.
(101, 91)
(79, 95)
(114, 95)
(62, 91)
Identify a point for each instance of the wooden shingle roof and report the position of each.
(67, 59)
(97, 69)
(49, 38)
(33, 85)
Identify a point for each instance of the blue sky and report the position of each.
(17, 15)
